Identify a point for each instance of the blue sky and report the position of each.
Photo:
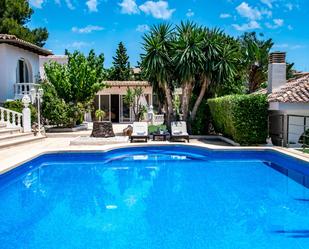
(102, 24)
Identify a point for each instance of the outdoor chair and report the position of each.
(140, 131)
(179, 131)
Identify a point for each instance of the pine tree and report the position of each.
(14, 15)
(121, 65)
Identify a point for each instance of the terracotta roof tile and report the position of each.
(295, 91)
(14, 41)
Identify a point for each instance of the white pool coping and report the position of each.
(9, 159)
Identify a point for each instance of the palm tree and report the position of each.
(156, 61)
(221, 53)
(188, 59)
(255, 57)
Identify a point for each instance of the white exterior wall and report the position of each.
(9, 56)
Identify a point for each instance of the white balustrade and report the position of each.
(10, 118)
(21, 89)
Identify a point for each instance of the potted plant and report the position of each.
(100, 115)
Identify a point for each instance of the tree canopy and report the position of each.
(121, 66)
(14, 15)
(203, 62)
(188, 56)
(71, 88)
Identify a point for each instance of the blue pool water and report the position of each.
(170, 197)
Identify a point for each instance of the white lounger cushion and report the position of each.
(179, 128)
(140, 129)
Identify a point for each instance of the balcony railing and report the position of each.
(20, 89)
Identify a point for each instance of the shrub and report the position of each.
(241, 117)
(154, 128)
(18, 106)
(54, 110)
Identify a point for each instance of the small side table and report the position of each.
(162, 136)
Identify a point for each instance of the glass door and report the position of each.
(125, 111)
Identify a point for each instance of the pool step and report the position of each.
(19, 140)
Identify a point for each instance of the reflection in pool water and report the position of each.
(171, 197)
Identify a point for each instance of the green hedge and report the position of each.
(241, 117)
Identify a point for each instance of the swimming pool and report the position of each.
(157, 197)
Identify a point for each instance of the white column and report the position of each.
(26, 114)
(26, 120)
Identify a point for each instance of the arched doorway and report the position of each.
(24, 78)
(23, 72)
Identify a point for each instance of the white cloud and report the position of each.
(289, 6)
(142, 28)
(86, 30)
(69, 4)
(159, 9)
(280, 46)
(247, 26)
(190, 13)
(36, 3)
(268, 3)
(92, 5)
(252, 13)
(79, 44)
(128, 7)
(246, 11)
(225, 15)
(277, 23)
(297, 46)
(288, 46)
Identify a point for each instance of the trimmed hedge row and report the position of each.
(241, 117)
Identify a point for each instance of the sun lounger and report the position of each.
(179, 131)
(140, 131)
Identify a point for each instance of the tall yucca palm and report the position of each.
(188, 59)
(221, 54)
(156, 61)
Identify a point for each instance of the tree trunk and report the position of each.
(198, 101)
(185, 100)
(169, 103)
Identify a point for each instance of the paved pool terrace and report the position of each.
(14, 156)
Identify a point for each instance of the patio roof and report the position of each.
(127, 83)
(14, 41)
(295, 90)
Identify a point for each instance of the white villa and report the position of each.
(22, 65)
(19, 66)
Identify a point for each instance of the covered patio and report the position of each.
(111, 100)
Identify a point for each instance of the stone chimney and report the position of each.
(276, 71)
